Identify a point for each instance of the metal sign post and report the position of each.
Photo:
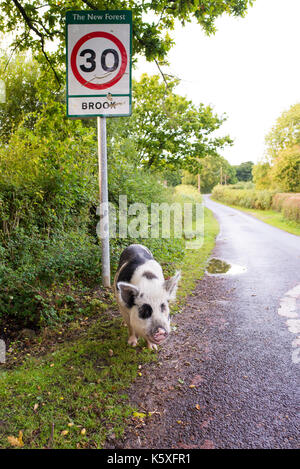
(104, 221)
(99, 47)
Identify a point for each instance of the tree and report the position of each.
(244, 171)
(171, 176)
(34, 23)
(285, 172)
(169, 130)
(280, 167)
(285, 133)
(20, 76)
(261, 175)
(210, 173)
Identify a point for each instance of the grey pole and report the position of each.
(104, 214)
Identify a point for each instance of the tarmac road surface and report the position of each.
(263, 346)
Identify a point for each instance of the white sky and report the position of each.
(250, 70)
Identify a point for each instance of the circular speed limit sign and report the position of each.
(102, 68)
(98, 63)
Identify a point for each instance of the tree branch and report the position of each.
(50, 64)
(31, 26)
(161, 72)
(27, 20)
(93, 7)
(11, 54)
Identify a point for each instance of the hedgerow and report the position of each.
(48, 199)
(287, 203)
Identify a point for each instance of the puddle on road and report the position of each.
(216, 266)
(219, 267)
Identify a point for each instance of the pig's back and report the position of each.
(131, 258)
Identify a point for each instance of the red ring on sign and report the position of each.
(121, 48)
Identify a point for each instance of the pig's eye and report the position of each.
(163, 307)
(145, 311)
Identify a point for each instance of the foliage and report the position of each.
(170, 131)
(171, 176)
(261, 175)
(283, 174)
(286, 169)
(244, 171)
(48, 198)
(243, 185)
(125, 176)
(20, 76)
(288, 204)
(47, 185)
(35, 24)
(212, 168)
(249, 198)
(47, 181)
(285, 133)
(280, 169)
(187, 193)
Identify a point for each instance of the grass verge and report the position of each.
(74, 395)
(271, 217)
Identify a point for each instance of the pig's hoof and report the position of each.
(132, 341)
(152, 346)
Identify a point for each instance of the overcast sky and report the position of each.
(250, 70)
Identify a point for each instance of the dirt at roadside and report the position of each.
(169, 394)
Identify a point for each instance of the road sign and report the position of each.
(98, 63)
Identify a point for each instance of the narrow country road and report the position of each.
(271, 258)
(229, 376)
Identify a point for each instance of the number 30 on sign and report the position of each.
(98, 63)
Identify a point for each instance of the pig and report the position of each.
(143, 295)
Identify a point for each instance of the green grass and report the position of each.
(271, 217)
(80, 386)
(194, 262)
(75, 395)
(275, 219)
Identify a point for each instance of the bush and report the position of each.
(48, 199)
(287, 203)
(285, 171)
(243, 185)
(30, 265)
(278, 200)
(248, 198)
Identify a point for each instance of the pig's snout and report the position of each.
(160, 335)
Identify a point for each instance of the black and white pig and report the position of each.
(143, 295)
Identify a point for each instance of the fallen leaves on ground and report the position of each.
(197, 379)
(17, 442)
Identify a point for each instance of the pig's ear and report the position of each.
(128, 292)
(171, 285)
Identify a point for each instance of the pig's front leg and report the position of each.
(151, 346)
(133, 339)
